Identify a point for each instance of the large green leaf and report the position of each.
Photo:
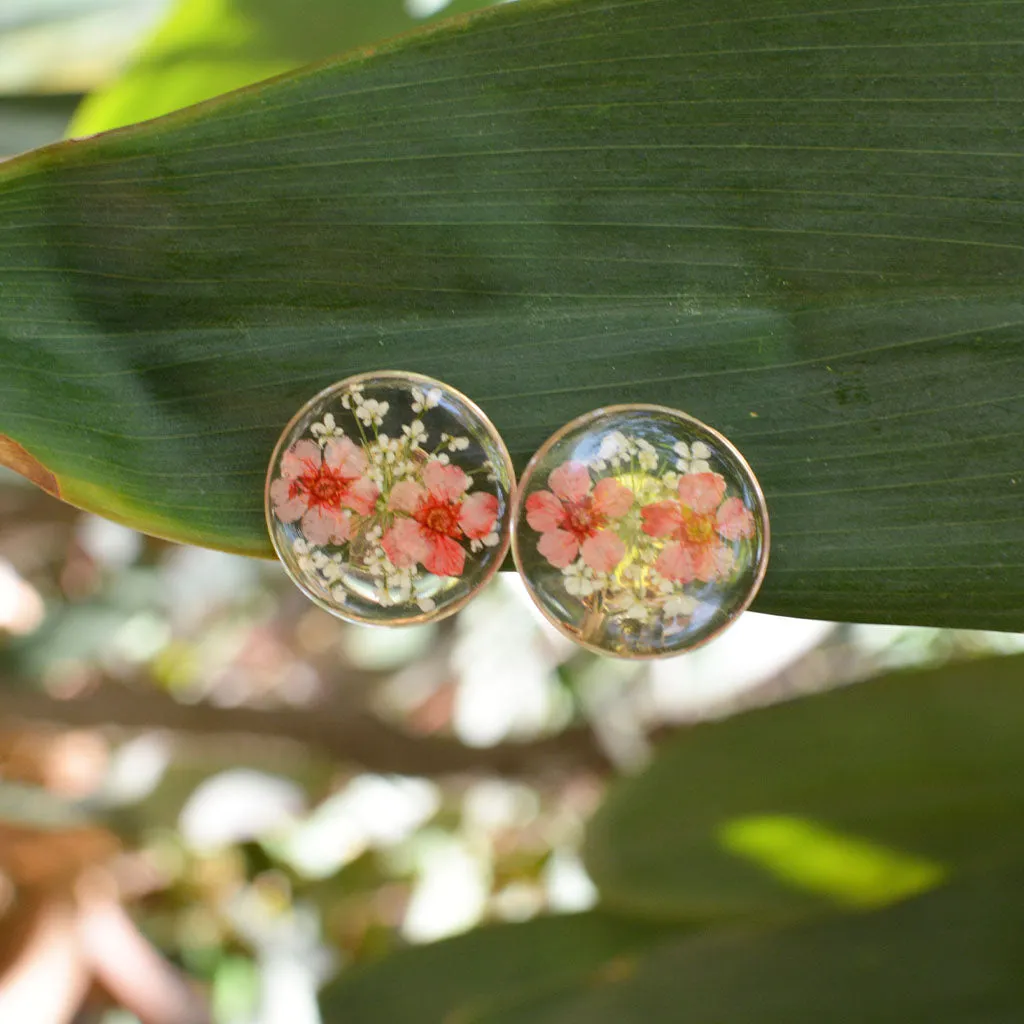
(801, 224)
(208, 47)
(856, 797)
(950, 957)
(488, 970)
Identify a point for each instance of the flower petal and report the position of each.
(302, 457)
(707, 562)
(612, 498)
(570, 481)
(544, 511)
(702, 492)
(406, 496)
(558, 547)
(348, 458)
(287, 509)
(326, 526)
(676, 563)
(661, 518)
(478, 515)
(404, 544)
(445, 557)
(734, 520)
(448, 483)
(603, 551)
(361, 496)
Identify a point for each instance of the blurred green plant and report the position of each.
(208, 47)
(922, 768)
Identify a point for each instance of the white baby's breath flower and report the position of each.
(646, 455)
(458, 444)
(693, 458)
(371, 412)
(340, 594)
(579, 579)
(680, 604)
(426, 604)
(612, 449)
(415, 433)
(443, 459)
(671, 480)
(354, 396)
(491, 540)
(300, 546)
(323, 432)
(422, 400)
(305, 564)
(637, 611)
(331, 571)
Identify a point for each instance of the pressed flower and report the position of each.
(692, 458)
(440, 514)
(695, 525)
(323, 488)
(574, 519)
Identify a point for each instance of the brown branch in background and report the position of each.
(356, 736)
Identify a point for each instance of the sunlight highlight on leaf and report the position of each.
(809, 855)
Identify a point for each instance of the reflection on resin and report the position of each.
(387, 499)
(640, 531)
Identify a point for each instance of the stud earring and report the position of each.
(388, 498)
(639, 531)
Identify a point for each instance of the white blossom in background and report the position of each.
(504, 672)
(451, 889)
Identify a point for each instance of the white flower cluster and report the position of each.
(636, 602)
(693, 458)
(371, 412)
(314, 561)
(617, 450)
(422, 400)
(490, 541)
(327, 430)
(394, 456)
(581, 580)
(455, 444)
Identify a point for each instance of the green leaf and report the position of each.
(208, 47)
(488, 969)
(800, 224)
(951, 957)
(853, 798)
(946, 958)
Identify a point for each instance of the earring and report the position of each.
(387, 499)
(639, 531)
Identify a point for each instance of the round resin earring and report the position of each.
(388, 498)
(639, 531)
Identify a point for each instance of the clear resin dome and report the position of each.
(388, 499)
(639, 531)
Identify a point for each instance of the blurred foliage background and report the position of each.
(215, 799)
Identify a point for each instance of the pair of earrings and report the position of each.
(639, 531)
